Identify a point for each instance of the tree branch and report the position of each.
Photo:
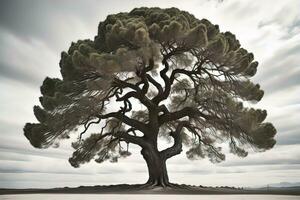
(163, 72)
(86, 127)
(185, 112)
(138, 93)
(155, 83)
(130, 138)
(177, 146)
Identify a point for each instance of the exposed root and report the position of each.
(166, 185)
(148, 185)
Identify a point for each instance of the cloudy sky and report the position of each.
(33, 33)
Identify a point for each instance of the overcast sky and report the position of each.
(33, 34)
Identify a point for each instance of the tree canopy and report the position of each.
(191, 79)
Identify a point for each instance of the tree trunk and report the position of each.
(157, 169)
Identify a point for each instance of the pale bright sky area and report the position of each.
(33, 34)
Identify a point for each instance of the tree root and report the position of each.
(148, 185)
(165, 185)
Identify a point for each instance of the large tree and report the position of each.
(151, 74)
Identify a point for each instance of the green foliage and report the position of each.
(201, 151)
(96, 145)
(263, 136)
(37, 134)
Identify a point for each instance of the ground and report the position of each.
(139, 189)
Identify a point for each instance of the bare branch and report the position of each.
(86, 127)
(177, 146)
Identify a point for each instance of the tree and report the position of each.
(150, 74)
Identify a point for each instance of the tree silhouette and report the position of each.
(150, 74)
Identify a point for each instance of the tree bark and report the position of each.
(156, 161)
(158, 175)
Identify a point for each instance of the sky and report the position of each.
(32, 35)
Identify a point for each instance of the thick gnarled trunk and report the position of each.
(158, 175)
(156, 160)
